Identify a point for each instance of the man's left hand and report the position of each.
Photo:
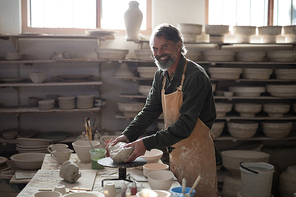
(139, 150)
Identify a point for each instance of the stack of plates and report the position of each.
(85, 101)
(67, 102)
(26, 145)
(46, 104)
(13, 56)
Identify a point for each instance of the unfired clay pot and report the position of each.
(287, 182)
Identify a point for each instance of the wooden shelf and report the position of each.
(28, 109)
(286, 117)
(224, 137)
(30, 84)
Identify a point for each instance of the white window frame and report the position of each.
(27, 29)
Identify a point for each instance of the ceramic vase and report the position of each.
(287, 182)
(133, 19)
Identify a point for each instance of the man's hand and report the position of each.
(121, 138)
(139, 150)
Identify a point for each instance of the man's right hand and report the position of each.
(121, 138)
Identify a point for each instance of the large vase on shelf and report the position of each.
(133, 19)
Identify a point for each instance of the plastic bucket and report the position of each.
(256, 179)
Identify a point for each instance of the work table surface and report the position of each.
(48, 177)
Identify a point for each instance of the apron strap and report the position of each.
(183, 77)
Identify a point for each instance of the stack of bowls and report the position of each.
(225, 73)
(217, 32)
(282, 90)
(250, 56)
(247, 110)
(37, 77)
(219, 55)
(285, 74)
(29, 145)
(290, 33)
(189, 31)
(276, 110)
(46, 104)
(10, 134)
(222, 109)
(276, 129)
(106, 53)
(147, 72)
(85, 101)
(281, 56)
(243, 33)
(130, 109)
(242, 129)
(269, 33)
(257, 73)
(66, 102)
(247, 91)
(123, 71)
(217, 128)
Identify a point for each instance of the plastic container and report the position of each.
(256, 179)
(177, 192)
(95, 155)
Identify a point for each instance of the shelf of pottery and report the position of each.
(255, 89)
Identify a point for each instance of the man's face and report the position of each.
(165, 52)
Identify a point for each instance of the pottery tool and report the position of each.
(195, 184)
(183, 185)
(90, 143)
(100, 136)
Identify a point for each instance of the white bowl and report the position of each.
(37, 77)
(247, 91)
(143, 54)
(232, 158)
(250, 56)
(85, 194)
(225, 73)
(282, 90)
(217, 29)
(281, 56)
(269, 30)
(82, 149)
(47, 194)
(217, 128)
(152, 156)
(147, 72)
(290, 33)
(193, 54)
(285, 74)
(219, 55)
(247, 110)
(149, 167)
(10, 135)
(28, 161)
(257, 73)
(276, 110)
(244, 30)
(222, 109)
(160, 179)
(242, 129)
(276, 129)
(190, 28)
(106, 53)
(144, 89)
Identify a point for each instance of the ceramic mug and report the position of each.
(54, 147)
(61, 155)
(109, 190)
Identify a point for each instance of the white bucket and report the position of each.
(256, 179)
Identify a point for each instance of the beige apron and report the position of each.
(194, 155)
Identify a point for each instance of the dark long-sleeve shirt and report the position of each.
(198, 102)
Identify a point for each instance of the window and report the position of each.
(251, 12)
(76, 16)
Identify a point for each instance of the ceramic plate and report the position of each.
(2, 160)
(54, 135)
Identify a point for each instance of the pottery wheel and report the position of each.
(108, 162)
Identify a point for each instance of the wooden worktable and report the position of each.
(48, 177)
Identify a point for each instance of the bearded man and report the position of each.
(182, 91)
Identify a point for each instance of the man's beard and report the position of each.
(164, 65)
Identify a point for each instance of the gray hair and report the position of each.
(170, 33)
